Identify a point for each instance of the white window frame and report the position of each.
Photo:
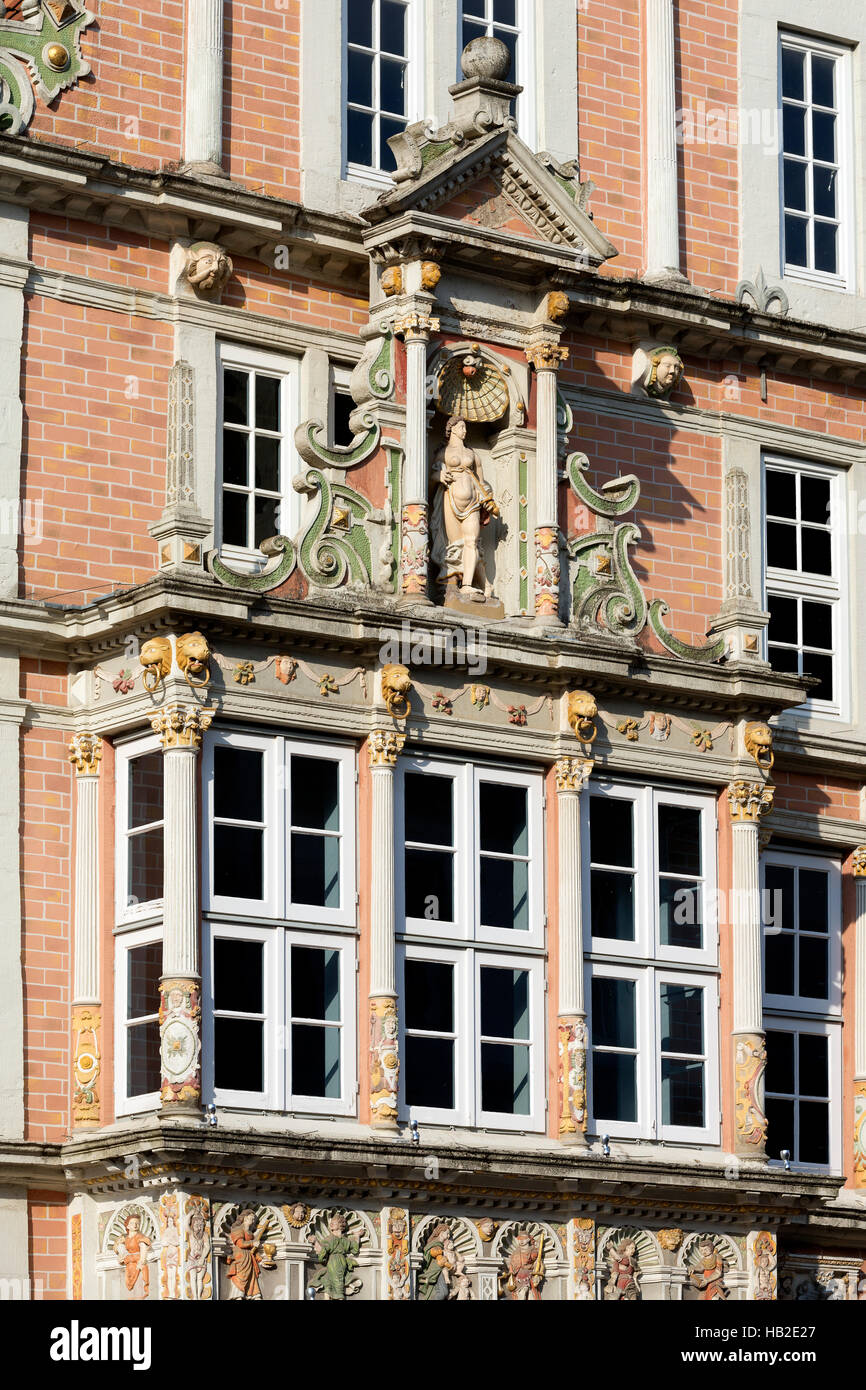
(277, 1094)
(415, 45)
(467, 778)
(799, 1003)
(125, 942)
(125, 754)
(249, 559)
(467, 965)
(830, 589)
(648, 1125)
(832, 1030)
(647, 945)
(277, 902)
(527, 112)
(844, 281)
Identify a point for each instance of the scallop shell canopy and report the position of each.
(483, 396)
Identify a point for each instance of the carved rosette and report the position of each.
(86, 1065)
(764, 1262)
(181, 726)
(572, 1076)
(572, 774)
(385, 746)
(750, 1064)
(860, 1133)
(583, 1258)
(384, 1060)
(414, 550)
(397, 1267)
(547, 572)
(750, 800)
(85, 752)
(180, 1041)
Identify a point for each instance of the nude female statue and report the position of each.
(463, 503)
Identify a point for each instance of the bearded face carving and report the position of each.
(208, 269)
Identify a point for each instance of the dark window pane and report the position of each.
(267, 518)
(796, 252)
(315, 870)
(824, 191)
(267, 402)
(315, 793)
(510, 41)
(613, 1013)
(822, 667)
(315, 983)
(505, 1080)
(783, 619)
(781, 494)
(429, 814)
(679, 840)
(238, 777)
(392, 86)
(359, 144)
(780, 1128)
(823, 89)
(817, 625)
(780, 1063)
(779, 964)
(145, 789)
(430, 885)
(315, 1061)
(146, 867)
(826, 259)
(504, 828)
(781, 545)
(779, 904)
(817, 551)
(680, 914)
(238, 862)
(614, 1087)
(235, 393)
(143, 1070)
(612, 905)
(815, 499)
(239, 1063)
(504, 1003)
(343, 407)
(682, 1018)
(360, 78)
(387, 128)
(429, 1072)
(392, 27)
(237, 976)
(504, 12)
(504, 894)
(235, 457)
(472, 30)
(814, 900)
(814, 1075)
(144, 970)
(814, 1132)
(360, 25)
(793, 74)
(682, 1092)
(784, 659)
(794, 129)
(474, 7)
(429, 990)
(795, 197)
(823, 137)
(610, 831)
(235, 519)
(267, 463)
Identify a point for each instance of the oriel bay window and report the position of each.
(139, 839)
(470, 887)
(652, 952)
(137, 971)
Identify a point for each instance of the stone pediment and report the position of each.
(494, 188)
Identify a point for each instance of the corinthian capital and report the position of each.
(750, 800)
(416, 326)
(85, 751)
(572, 774)
(181, 726)
(858, 862)
(385, 746)
(546, 355)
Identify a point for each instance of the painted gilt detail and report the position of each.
(572, 1076)
(85, 753)
(572, 774)
(547, 572)
(181, 726)
(749, 801)
(758, 741)
(86, 1065)
(180, 1041)
(43, 48)
(858, 862)
(764, 1267)
(582, 714)
(385, 746)
(583, 1258)
(384, 1060)
(860, 1133)
(416, 327)
(396, 685)
(750, 1065)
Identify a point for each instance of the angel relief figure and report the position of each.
(462, 504)
(622, 1284)
(707, 1273)
(133, 1252)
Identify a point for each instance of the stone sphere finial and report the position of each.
(486, 57)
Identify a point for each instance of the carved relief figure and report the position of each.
(622, 1283)
(244, 1263)
(462, 504)
(197, 1254)
(523, 1275)
(708, 1273)
(441, 1266)
(337, 1253)
(208, 268)
(664, 372)
(193, 658)
(133, 1252)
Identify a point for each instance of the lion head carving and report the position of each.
(396, 684)
(155, 658)
(582, 711)
(193, 658)
(758, 739)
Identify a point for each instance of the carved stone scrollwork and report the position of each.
(572, 774)
(181, 726)
(43, 46)
(748, 801)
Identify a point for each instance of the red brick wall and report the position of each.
(261, 127)
(47, 1221)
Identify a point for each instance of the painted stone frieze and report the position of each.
(707, 1260)
(522, 1276)
(582, 1241)
(170, 1247)
(134, 1236)
(336, 1245)
(860, 1133)
(87, 1064)
(750, 1064)
(397, 1266)
(384, 1060)
(764, 1261)
(444, 1247)
(572, 1076)
(198, 1251)
(180, 1041)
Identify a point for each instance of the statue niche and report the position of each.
(463, 504)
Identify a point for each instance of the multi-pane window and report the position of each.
(470, 876)
(341, 406)
(257, 412)
(649, 875)
(140, 848)
(801, 911)
(814, 100)
(804, 592)
(138, 967)
(512, 22)
(379, 95)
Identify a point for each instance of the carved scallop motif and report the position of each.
(472, 388)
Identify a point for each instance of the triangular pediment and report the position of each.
(496, 183)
